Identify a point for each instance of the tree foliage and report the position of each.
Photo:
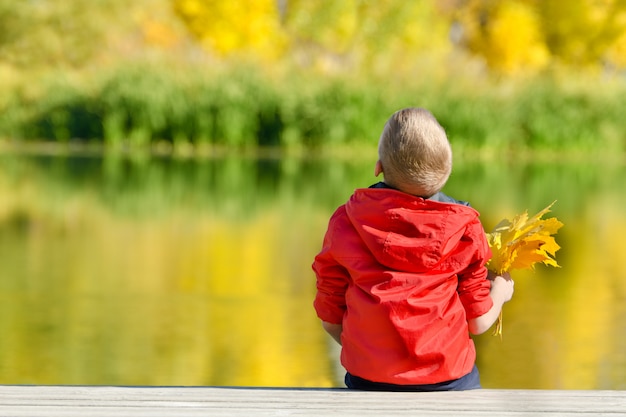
(45, 32)
(323, 33)
(227, 27)
(510, 36)
(40, 34)
(582, 31)
(507, 35)
(517, 35)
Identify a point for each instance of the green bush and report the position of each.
(141, 105)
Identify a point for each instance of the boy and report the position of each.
(401, 277)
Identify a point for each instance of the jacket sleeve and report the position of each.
(332, 280)
(474, 287)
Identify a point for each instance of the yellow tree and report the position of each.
(507, 34)
(582, 32)
(230, 27)
(526, 35)
(616, 54)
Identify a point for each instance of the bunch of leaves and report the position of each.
(522, 242)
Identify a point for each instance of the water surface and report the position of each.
(164, 271)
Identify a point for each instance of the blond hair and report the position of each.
(415, 153)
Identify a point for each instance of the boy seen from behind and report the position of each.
(401, 277)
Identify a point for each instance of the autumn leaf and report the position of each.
(522, 242)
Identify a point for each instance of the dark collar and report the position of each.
(439, 196)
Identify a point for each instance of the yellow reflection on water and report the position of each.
(185, 299)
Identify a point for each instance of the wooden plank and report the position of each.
(101, 401)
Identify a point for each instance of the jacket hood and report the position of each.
(393, 224)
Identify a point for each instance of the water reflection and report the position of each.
(197, 272)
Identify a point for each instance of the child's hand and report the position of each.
(502, 285)
(501, 292)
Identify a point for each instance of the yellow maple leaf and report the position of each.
(522, 242)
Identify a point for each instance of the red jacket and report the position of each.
(403, 275)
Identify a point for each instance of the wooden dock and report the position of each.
(103, 401)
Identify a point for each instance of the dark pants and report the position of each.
(467, 382)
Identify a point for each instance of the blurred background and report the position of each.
(168, 168)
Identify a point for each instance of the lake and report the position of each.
(143, 270)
